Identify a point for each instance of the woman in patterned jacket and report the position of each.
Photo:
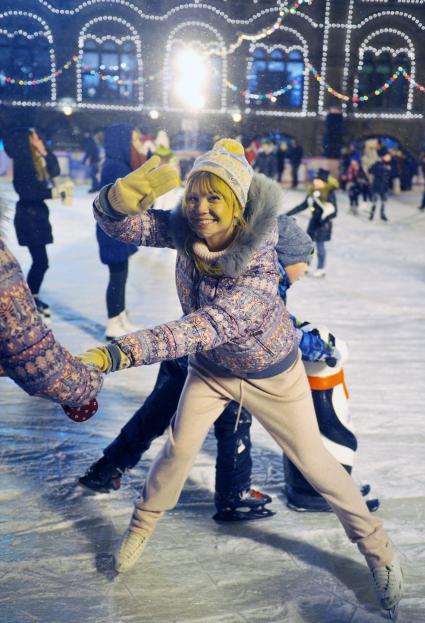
(238, 335)
(29, 352)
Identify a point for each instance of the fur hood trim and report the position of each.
(264, 202)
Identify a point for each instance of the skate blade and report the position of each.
(92, 492)
(301, 509)
(240, 515)
(391, 614)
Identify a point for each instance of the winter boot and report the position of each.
(244, 506)
(42, 307)
(115, 327)
(389, 585)
(320, 272)
(383, 215)
(102, 477)
(134, 539)
(372, 213)
(128, 326)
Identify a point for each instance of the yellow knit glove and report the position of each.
(137, 191)
(107, 358)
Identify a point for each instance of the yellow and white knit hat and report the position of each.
(227, 161)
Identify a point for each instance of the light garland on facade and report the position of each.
(165, 16)
(347, 51)
(365, 47)
(302, 48)
(283, 11)
(271, 95)
(349, 27)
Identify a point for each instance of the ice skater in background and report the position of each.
(321, 200)
(123, 153)
(34, 167)
(239, 336)
(381, 180)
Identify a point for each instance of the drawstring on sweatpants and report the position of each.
(240, 405)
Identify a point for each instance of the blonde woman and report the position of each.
(238, 335)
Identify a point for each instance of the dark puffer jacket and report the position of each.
(117, 164)
(31, 220)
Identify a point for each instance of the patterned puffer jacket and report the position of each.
(29, 353)
(235, 322)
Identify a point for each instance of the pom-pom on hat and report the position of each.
(227, 161)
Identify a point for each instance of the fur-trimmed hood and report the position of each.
(264, 201)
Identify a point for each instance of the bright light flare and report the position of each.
(192, 72)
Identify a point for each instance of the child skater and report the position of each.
(321, 199)
(238, 335)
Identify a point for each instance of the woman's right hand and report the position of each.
(137, 191)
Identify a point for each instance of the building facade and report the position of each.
(185, 65)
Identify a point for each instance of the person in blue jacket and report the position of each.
(122, 155)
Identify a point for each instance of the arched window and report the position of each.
(272, 70)
(374, 72)
(109, 72)
(25, 59)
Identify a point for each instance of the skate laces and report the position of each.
(382, 577)
(131, 543)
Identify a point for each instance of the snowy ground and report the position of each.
(56, 542)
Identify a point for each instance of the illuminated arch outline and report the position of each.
(46, 33)
(84, 35)
(364, 47)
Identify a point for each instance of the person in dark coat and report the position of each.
(34, 166)
(321, 199)
(295, 158)
(122, 155)
(91, 158)
(266, 160)
(381, 180)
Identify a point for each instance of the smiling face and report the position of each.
(211, 207)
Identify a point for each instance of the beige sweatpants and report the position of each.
(284, 406)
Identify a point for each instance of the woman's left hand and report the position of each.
(137, 191)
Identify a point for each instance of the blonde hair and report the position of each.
(202, 183)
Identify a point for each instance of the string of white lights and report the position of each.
(325, 45)
(190, 5)
(347, 51)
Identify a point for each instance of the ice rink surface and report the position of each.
(56, 542)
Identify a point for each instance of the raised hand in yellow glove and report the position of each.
(108, 358)
(137, 191)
